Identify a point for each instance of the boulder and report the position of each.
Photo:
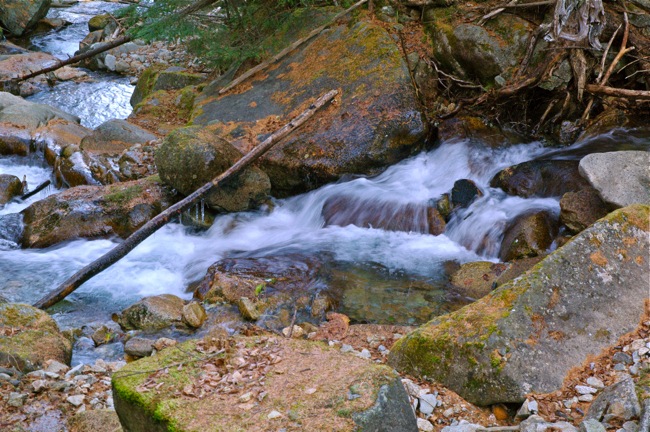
(18, 16)
(139, 347)
(580, 209)
(481, 52)
(173, 78)
(71, 169)
(529, 235)
(18, 112)
(10, 187)
(152, 313)
(540, 178)
(94, 212)
(464, 193)
(29, 337)
(190, 157)
(621, 178)
(11, 230)
(375, 121)
(56, 135)
(525, 336)
(346, 210)
(99, 22)
(297, 381)
(115, 136)
(618, 402)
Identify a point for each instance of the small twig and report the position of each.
(460, 82)
(293, 321)
(495, 12)
(618, 92)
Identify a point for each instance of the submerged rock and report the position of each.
(190, 157)
(373, 123)
(10, 187)
(540, 178)
(94, 212)
(288, 368)
(527, 334)
(29, 337)
(621, 178)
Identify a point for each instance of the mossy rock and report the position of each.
(94, 212)
(29, 337)
(309, 385)
(527, 334)
(374, 122)
(154, 79)
(99, 22)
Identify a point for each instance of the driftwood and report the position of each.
(110, 45)
(288, 49)
(618, 92)
(111, 257)
(40, 187)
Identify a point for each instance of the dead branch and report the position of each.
(618, 92)
(288, 49)
(113, 256)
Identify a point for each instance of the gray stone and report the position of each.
(16, 399)
(591, 425)
(424, 425)
(115, 136)
(595, 382)
(427, 403)
(463, 426)
(76, 400)
(194, 315)
(18, 16)
(631, 426)
(585, 389)
(616, 401)
(568, 307)
(621, 357)
(109, 62)
(391, 412)
(10, 187)
(152, 313)
(644, 420)
(621, 178)
(535, 423)
(19, 112)
(139, 347)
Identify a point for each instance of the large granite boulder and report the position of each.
(94, 212)
(527, 334)
(621, 178)
(18, 16)
(190, 157)
(260, 383)
(375, 122)
(29, 337)
(19, 112)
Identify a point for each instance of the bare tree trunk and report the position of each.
(113, 256)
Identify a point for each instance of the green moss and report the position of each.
(123, 194)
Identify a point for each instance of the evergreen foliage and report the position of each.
(221, 34)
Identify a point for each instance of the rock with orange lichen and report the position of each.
(373, 123)
(527, 334)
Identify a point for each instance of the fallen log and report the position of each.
(288, 49)
(114, 255)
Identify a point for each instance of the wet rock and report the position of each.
(618, 401)
(621, 178)
(476, 130)
(375, 122)
(56, 135)
(152, 313)
(382, 403)
(194, 315)
(477, 279)
(115, 136)
(380, 214)
(527, 334)
(478, 52)
(10, 187)
(94, 212)
(18, 16)
(190, 157)
(580, 209)
(14, 140)
(540, 178)
(154, 79)
(248, 309)
(106, 333)
(72, 169)
(464, 193)
(139, 347)
(19, 112)
(528, 235)
(35, 338)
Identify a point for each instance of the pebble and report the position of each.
(16, 399)
(424, 425)
(592, 425)
(621, 357)
(4, 377)
(364, 354)
(595, 382)
(619, 367)
(56, 367)
(585, 389)
(273, 415)
(74, 371)
(39, 385)
(76, 400)
(427, 403)
(346, 348)
(586, 398)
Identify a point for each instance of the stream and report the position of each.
(177, 256)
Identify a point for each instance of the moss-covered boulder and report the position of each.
(259, 383)
(29, 337)
(94, 212)
(527, 334)
(374, 122)
(481, 52)
(153, 79)
(18, 16)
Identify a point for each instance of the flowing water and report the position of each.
(177, 256)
